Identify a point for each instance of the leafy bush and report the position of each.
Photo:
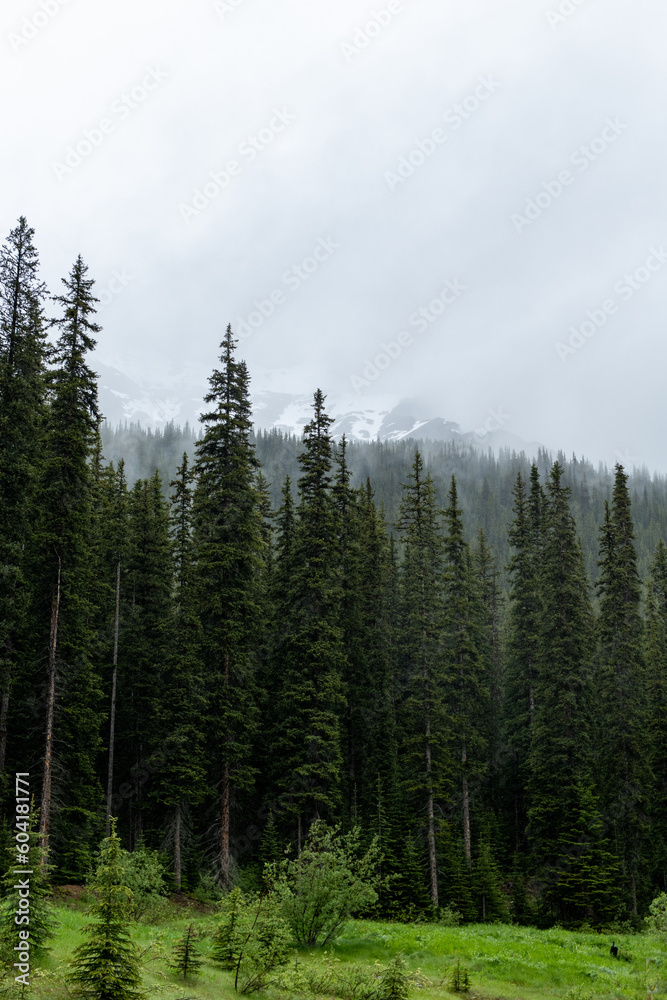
(449, 916)
(657, 919)
(143, 873)
(208, 890)
(329, 882)
(351, 982)
(252, 939)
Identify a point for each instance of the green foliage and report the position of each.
(143, 874)
(487, 880)
(310, 652)
(424, 717)
(395, 982)
(329, 882)
(448, 916)
(657, 918)
(252, 939)
(42, 923)
(185, 959)
(459, 981)
(106, 966)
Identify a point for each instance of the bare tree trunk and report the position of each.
(112, 713)
(466, 805)
(298, 836)
(45, 811)
(177, 849)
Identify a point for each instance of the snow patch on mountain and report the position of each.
(278, 404)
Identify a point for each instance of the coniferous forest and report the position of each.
(289, 631)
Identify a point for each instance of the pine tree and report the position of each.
(487, 881)
(469, 681)
(229, 550)
(61, 568)
(624, 759)
(564, 815)
(185, 959)
(348, 546)
(525, 537)
(110, 517)
(149, 581)
(106, 966)
(425, 723)
(22, 393)
(379, 795)
(182, 780)
(311, 657)
(655, 646)
(491, 650)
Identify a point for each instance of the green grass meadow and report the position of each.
(502, 960)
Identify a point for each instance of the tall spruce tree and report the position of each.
(22, 394)
(111, 529)
(311, 657)
(148, 599)
(229, 550)
(491, 651)
(425, 722)
(655, 646)
(469, 694)
(107, 965)
(348, 545)
(61, 567)
(182, 780)
(624, 765)
(575, 867)
(525, 602)
(381, 798)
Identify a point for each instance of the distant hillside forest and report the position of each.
(485, 480)
(408, 641)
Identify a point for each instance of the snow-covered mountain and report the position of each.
(154, 403)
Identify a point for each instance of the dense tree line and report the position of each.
(221, 660)
(485, 480)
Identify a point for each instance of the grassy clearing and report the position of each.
(513, 962)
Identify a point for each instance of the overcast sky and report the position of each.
(460, 202)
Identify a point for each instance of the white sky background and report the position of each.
(356, 113)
